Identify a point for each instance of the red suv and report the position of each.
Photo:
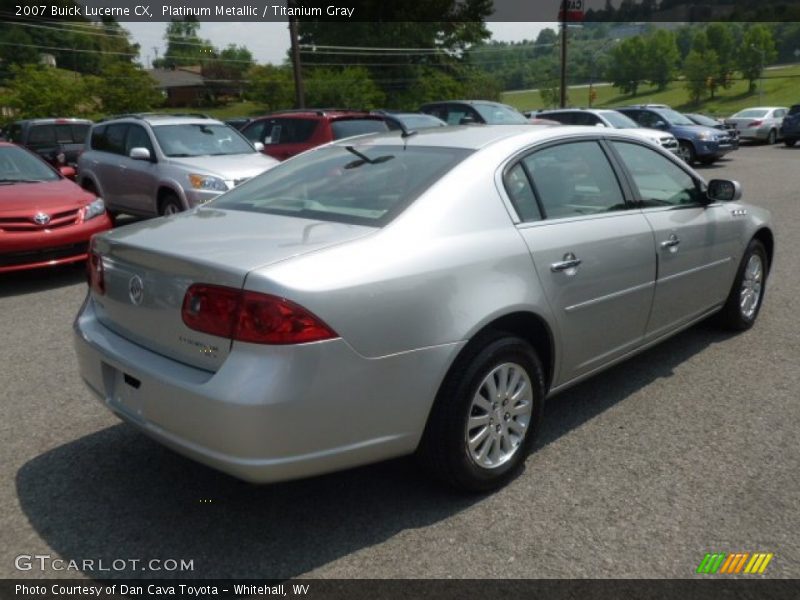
(291, 132)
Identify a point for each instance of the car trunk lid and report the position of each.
(149, 266)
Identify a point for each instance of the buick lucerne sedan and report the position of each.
(410, 293)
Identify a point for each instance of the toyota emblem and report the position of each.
(136, 290)
(41, 218)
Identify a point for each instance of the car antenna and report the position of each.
(406, 131)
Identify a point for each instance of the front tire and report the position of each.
(486, 414)
(169, 205)
(747, 294)
(686, 152)
(789, 142)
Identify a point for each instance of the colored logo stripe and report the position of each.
(734, 563)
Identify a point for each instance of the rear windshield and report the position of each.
(20, 166)
(200, 139)
(364, 185)
(350, 127)
(499, 114)
(752, 113)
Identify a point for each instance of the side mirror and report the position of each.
(723, 190)
(67, 172)
(600, 124)
(140, 154)
(258, 146)
(467, 120)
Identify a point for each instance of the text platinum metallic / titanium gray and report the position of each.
(384, 295)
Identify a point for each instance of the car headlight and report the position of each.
(95, 209)
(707, 136)
(207, 182)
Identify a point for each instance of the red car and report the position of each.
(291, 132)
(45, 219)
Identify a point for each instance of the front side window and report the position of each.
(200, 139)
(660, 182)
(618, 120)
(366, 185)
(138, 138)
(574, 179)
(115, 138)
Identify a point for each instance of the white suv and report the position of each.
(610, 118)
(154, 164)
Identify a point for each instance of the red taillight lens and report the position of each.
(211, 309)
(250, 316)
(755, 123)
(95, 276)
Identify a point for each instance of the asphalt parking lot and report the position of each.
(691, 447)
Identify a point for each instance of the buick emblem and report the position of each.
(136, 290)
(41, 218)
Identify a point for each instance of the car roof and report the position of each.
(163, 119)
(54, 121)
(490, 102)
(331, 113)
(475, 137)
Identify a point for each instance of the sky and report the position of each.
(269, 41)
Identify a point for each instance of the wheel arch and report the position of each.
(765, 236)
(164, 190)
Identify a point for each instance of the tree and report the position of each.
(757, 51)
(184, 46)
(447, 27)
(350, 87)
(271, 86)
(36, 91)
(661, 57)
(699, 69)
(125, 88)
(628, 65)
(720, 40)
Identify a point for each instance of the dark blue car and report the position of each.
(790, 127)
(695, 142)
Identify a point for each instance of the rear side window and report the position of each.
(350, 127)
(521, 193)
(42, 135)
(115, 138)
(367, 185)
(574, 179)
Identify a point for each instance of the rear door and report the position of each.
(697, 244)
(141, 176)
(592, 251)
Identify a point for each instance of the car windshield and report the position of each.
(750, 113)
(674, 117)
(19, 166)
(499, 114)
(419, 121)
(619, 120)
(366, 185)
(704, 120)
(200, 139)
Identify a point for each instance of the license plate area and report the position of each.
(123, 392)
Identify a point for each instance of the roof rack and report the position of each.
(145, 115)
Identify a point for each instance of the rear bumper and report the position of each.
(270, 413)
(22, 251)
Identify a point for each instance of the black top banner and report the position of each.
(430, 10)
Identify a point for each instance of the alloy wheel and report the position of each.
(752, 282)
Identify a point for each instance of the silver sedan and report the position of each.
(410, 293)
(762, 123)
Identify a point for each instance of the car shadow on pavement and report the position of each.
(18, 283)
(116, 494)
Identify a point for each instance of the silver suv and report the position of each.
(153, 164)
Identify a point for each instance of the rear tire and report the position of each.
(747, 294)
(772, 137)
(169, 205)
(486, 414)
(686, 152)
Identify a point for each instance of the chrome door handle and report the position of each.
(570, 262)
(672, 242)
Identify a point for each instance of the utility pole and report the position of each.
(563, 15)
(299, 91)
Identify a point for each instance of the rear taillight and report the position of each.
(250, 316)
(754, 123)
(95, 276)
